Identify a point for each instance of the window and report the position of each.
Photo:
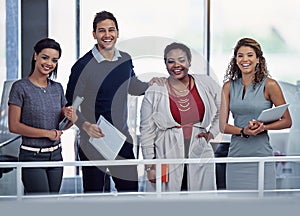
(274, 25)
(63, 30)
(271, 23)
(145, 28)
(2, 44)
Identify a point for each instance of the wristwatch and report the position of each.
(243, 134)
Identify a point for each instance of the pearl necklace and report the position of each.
(183, 102)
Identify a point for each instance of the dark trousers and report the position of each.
(41, 180)
(96, 179)
(184, 184)
(221, 151)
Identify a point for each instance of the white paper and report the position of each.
(112, 142)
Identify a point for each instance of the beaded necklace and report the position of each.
(183, 102)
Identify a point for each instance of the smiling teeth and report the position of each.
(245, 65)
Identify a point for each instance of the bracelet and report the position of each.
(56, 134)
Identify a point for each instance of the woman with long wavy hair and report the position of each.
(247, 91)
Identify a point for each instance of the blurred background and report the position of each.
(210, 28)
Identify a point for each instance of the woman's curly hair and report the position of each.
(233, 72)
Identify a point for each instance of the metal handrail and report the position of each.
(260, 160)
(10, 140)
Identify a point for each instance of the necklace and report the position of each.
(43, 89)
(183, 102)
(184, 105)
(36, 83)
(182, 92)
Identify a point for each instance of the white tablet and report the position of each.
(272, 114)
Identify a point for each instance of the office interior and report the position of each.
(209, 27)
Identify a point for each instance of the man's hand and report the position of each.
(158, 80)
(92, 130)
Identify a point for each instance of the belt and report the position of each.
(183, 126)
(187, 125)
(49, 149)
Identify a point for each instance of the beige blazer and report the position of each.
(161, 139)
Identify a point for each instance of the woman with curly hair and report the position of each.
(178, 120)
(247, 91)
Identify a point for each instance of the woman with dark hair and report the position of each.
(42, 44)
(247, 91)
(177, 122)
(36, 106)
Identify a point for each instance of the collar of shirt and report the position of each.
(99, 57)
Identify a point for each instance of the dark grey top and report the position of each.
(41, 108)
(105, 86)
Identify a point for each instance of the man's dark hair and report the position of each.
(103, 15)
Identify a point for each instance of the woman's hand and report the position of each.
(151, 173)
(208, 136)
(254, 127)
(55, 135)
(70, 113)
(253, 124)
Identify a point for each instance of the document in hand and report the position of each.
(273, 113)
(78, 100)
(112, 142)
